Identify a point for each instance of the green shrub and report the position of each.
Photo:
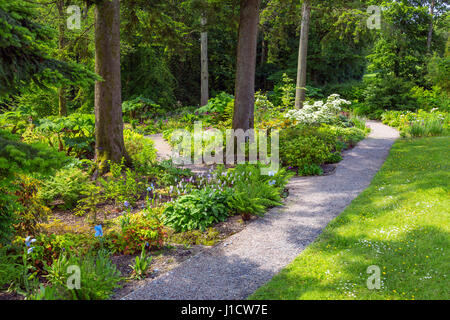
(140, 108)
(430, 99)
(243, 173)
(143, 229)
(140, 149)
(197, 210)
(49, 246)
(306, 148)
(122, 185)
(167, 174)
(349, 136)
(253, 192)
(216, 104)
(254, 196)
(283, 94)
(310, 170)
(298, 150)
(10, 269)
(91, 197)
(389, 93)
(16, 157)
(359, 122)
(74, 133)
(67, 185)
(31, 209)
(99, 277)
(364, 109)
(16, 121)
(439, 71)
(8, 209)
(350, 90)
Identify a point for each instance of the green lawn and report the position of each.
(400, 223)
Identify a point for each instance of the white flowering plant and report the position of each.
(318, 112)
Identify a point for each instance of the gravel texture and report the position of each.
(235, 268)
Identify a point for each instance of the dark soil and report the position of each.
(10, 296)
(328, 169)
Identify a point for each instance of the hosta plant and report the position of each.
(198, 210)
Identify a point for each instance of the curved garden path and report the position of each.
(164, 151)
(245, 261)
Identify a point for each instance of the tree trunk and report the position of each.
(244, 104)
(109, 143)
(302, 56)
(263, 48)
(62, 102)
(430, 31)
(204, 65)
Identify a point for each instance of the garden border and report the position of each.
(235, 268)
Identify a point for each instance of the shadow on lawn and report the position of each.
(415, 263)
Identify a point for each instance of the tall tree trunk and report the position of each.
(244, 104)
(430, 30)
(302, 56)
(263, 48)
(62, 103)
(204, 65)
(109, 143)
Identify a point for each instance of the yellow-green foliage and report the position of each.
(140, 149)
(67, 185)
(31, 209)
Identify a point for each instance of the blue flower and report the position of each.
(272, 182)
(98, 231)
(149, 189)
(126, 204)
(29, 241)
(271, 173)
(30, 250)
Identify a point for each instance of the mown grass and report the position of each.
(400, 224)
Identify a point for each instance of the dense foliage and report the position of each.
(59, 209)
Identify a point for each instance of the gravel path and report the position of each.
(245, 261)
(164, 152)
